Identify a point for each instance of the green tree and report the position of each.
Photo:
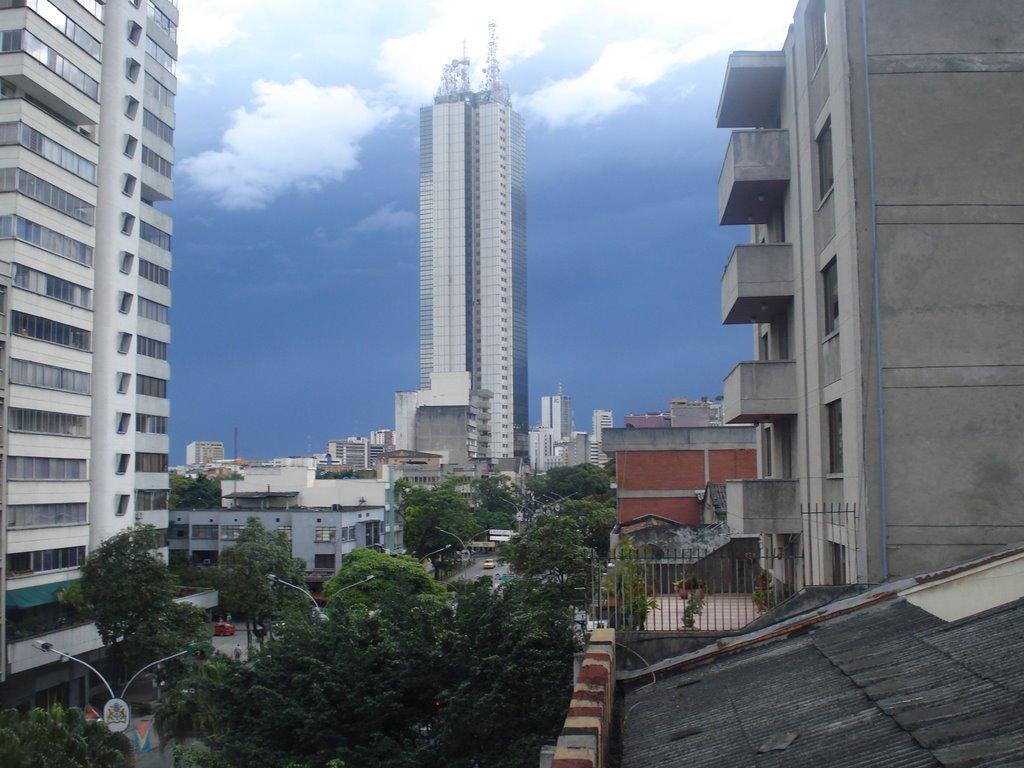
(430, 511)
(60, 738)
(130, 594)
(629, 582)
(200, 492)
(551, 548)
(247, 589)
(391, 574)
(577, 482)
(497, 501)
(187, 710)
(594, 519)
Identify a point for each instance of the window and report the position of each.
(348, 533)
(231, 532)
(131, 107)
(124, 342)
(150, 386)
(153, 310)
(154, 235)
(151, 348)
(132, 69)
(123, 420)
(373, 528)
(150, 424)
(150, 500)
(121, 501)
(159, 164)
(123, 460)
(50, 195)
(150, 462)
(162, 57)
(22, 40)
(325, 534)
(154, 273)
(834, 418)
(124, 382)
(34, 141)
(51, 331)
(48, 285)
(30, 515)
(44, 468)
(130, 144)
(47, 422)
(128, 186)
(323, 562)
(134, 30)
(45, 560)
(162, 20)
(830, 292)
(43, 237)
(157, 127)
(286, 531)
(127, 259)
(33, 374)
(817, 31)
(204, 531)
(826, 175)
(125, 303)
(160, 93)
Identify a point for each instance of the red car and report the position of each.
(223, 628)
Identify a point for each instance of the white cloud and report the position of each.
(294, 136)
(209, 24)
(386, 217)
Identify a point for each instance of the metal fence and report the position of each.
(693, 590)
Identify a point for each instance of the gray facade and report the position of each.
(877, 163)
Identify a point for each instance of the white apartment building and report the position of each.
(473, 248)
(556, 414)
(86, 152)
(203, 452)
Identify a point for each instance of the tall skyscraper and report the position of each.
(86, 126)
(556, 414)
(473, 246)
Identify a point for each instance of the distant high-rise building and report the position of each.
(88, 146)
(556, 414)
(203, 452)
(602, 420)
(473, 246)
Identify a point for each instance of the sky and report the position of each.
(296, 241)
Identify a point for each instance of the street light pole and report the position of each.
(319, 613)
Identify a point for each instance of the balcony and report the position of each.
(763, 506)
(75, 640)
(760, 390)
(752, 90)
(757, 284)
(754, 177)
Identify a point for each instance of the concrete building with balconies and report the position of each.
(875, 160)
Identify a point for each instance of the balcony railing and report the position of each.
(760, 390)
(754, 177)
(758, 283)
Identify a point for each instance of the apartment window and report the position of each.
(834, 424)
(44, 329)
(838, 563)
(830, 293)
(124, 382)
(151, 348)
(149, 500)
(124, 342)
(373, 528)
(50, 195)
(125, 303)
(45, 560)
(150, 462)
(134, 30)
(153, 310)
(121, 502)
(157, 127)
(22, 40)
(132, 69)
(32, 515)
(128, 185)
(286, 531)
(127, 259)
(348, 533)
(48, 422)
(162, 20)
(161, 165)
(130, 145)
(323, 562)
(123, 420)
(231, 532)
(45, 238)
(162, 57)
(44, 146)
(325, 534)
(154, 273)
(53, 287)
(45, 468)
(33, 374)
(154, 235)
(131, 107)
(150, 386)
(204, 532)
(160, 93)
(123, 462)
(826, 174)
(817, 31)
(149, 423)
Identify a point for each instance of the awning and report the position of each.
(29, 597)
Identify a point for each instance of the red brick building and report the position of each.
(664, 471)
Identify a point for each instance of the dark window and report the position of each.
(830, 288)
(834, 414)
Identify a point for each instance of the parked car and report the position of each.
(488, 564)
(223, 629)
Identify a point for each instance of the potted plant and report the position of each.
(687, 584)
(764, 596)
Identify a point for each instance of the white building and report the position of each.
(556, 414)
(203, 452)
(86, 151)
(473, 247)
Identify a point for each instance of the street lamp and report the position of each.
(116, 712)
(430, 554)
(318, 611)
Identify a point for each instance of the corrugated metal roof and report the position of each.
(888, 685)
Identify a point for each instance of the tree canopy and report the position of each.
(60, 738)
(200, 492)
(429, 513)
(130, 595)
(552, 549)
(391, 574)
(576, 482)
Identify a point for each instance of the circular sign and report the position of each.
(116, 715)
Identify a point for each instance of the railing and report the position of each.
(693, 590)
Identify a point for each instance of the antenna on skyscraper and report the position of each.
(493, 86)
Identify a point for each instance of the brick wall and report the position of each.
(682, 509)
